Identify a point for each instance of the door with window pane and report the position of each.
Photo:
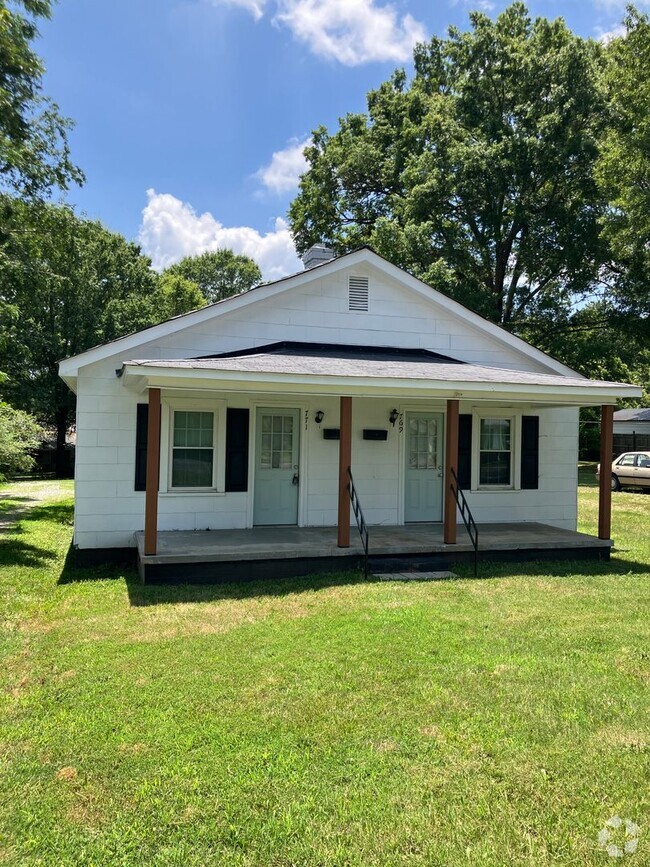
(424, 467)
(277, 444)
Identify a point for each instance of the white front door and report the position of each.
(424, 467)
(277, 453)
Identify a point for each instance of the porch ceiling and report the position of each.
(327, 374)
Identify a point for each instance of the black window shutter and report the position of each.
(237, 421)
(141, 433)
(465, 451)
(530, 452)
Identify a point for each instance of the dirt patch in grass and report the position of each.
(17, 498)
(133, 749)
(629, 739)
(67, 774)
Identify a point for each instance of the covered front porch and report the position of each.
(497, 448)
(271, 552)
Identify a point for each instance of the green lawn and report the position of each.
(327, 721)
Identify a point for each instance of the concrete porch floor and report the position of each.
(194, 555)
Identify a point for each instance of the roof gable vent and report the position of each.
(357, 293)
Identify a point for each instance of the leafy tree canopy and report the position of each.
(597, 344)
(218, 273)
(19, 434)
(624, 171)
(34, 151)
(476, 176)
(172, 296)
(66, 284)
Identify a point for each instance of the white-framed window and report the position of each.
(495, 452)
(193, 439)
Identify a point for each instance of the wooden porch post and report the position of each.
(153, 471)
(605, 484)
(451, 460)
(345, 460)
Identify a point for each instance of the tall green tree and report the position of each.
(34, 150)
(173, 295)
(218, 273)
(65, 284)
(478, 174)
(20, 434)
(624, 171)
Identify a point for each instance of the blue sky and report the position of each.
(190, 114)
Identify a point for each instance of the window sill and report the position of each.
(496, 489)
(199, 492)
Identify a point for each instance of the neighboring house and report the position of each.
(247, 414)
(631, 430)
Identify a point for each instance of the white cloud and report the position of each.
(351, 31)
(255, 7)
(480, 5)
(283, 172)
(171, 229)
(606, 36)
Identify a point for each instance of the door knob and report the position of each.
(294, 480)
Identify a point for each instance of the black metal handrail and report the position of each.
(466, 515)
(361, 521)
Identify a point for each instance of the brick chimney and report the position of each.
(316, 255)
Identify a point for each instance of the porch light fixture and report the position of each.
(320, 415)
(392, 418)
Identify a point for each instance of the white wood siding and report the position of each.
(109, 511)
(318, 312)
(630, 427)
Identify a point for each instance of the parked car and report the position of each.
(630, 470)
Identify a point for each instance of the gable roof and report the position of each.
(635, 414)
(330, 369)
(69, 367)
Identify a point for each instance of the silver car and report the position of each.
(630, 470)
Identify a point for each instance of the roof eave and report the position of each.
(139, 377)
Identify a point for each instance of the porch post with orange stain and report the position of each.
(153, 471)
(345, 460)
(605, 483)
(451, 460)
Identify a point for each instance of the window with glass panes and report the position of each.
(495, 451)
(277, 442)
(193, 449)
(423, 444)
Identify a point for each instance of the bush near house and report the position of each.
(20, 434)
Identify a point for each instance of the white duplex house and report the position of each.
(250, 417)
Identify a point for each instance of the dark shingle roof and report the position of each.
(374, 363)
(295, 348)
(636, 414)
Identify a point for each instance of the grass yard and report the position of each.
(325, 721)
